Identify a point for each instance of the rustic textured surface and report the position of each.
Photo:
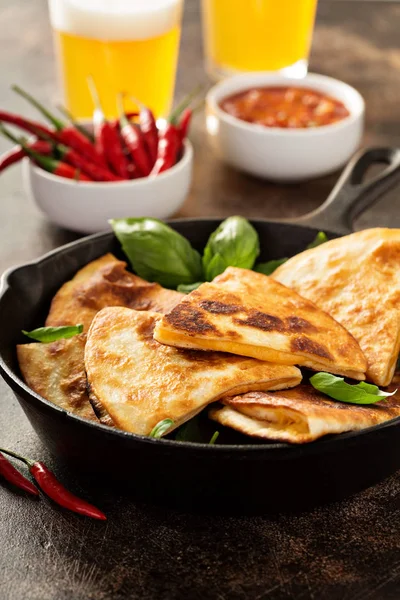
(348, 551)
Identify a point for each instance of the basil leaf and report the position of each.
(157, 252)
(214, 438)
(233, 244)
(161, 428)
(187, 288)
(269, 267)
(320, 238)
(52, 334)
(338, 389)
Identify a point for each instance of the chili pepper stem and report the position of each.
(58, 124)
(27, 461)
(64, 111)
(122, 116)
(176, 113)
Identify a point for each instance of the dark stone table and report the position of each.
(347, 551)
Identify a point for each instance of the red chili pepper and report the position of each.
(59, 494)
(149, 129)
(134, 140)
(10, 474)
(94, 171)
(52, 165)
(28, 125)
(168, 147)
(16, 154)
(67, 135)
(184, 123)
(56, 491)
(63, 110)
(107, 137)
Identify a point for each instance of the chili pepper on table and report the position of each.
(67, 135)
(52, 165)
(10, 474)
(134, 141)
(28, 125)
(16, 154)
(107, 137)
(50, 485)
(149, 130)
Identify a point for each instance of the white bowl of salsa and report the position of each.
(284, 129)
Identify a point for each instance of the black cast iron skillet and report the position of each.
(239, 474)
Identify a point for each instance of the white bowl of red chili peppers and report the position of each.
(81, 174)
(284, 129)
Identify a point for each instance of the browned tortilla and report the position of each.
(106, 282)
(356, 279)
(250, 314)
(299, 415)
(56, 371)
(141, 382)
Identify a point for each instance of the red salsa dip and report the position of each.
(289, 107)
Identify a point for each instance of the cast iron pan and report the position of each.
(230, 476)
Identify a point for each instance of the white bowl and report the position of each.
(86, 207)
(284, 154)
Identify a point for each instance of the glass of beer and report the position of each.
(257, 35)
(128, 46)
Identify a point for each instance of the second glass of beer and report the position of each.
(128, 46)
(257, 35)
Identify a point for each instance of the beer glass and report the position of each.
(128, 46)
(257, 35)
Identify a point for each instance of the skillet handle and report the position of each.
(351, 197)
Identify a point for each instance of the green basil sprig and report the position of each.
(267, 268)
(52, 334)
(270, 266)
(233, 244)
(161, 428)
(157, 252)
(320, 238)
(338, 389)
(186, 289)
(213, 438)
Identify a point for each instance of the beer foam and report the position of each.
(112, 20)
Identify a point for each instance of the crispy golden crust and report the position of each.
(247, 313)
(106, 282)
(299, 415)
(56, 372)
(141, 382)
(356, 279)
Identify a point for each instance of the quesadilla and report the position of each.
(299, 415)
(106, 282)
(250, 314)
(356, 279)
(56, 371)
(141, 382)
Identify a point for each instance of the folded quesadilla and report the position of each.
(356, 279)
(299, 415)
(140, 382)
(56, 371)
(106, 282)
(250, 314)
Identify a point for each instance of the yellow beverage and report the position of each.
(127, 46)
(257, 35)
